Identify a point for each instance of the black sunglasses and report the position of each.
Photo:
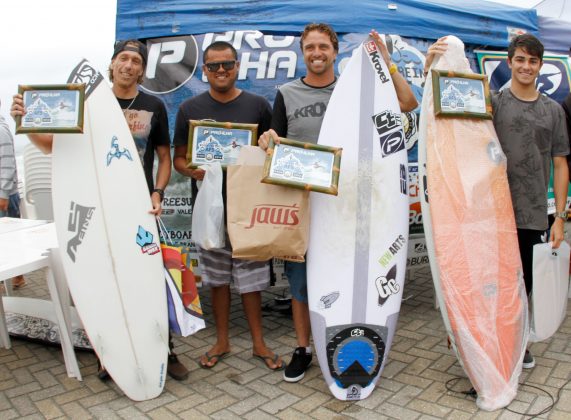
(226, 65)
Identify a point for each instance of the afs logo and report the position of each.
(78, 222)
(387, 285)
(172, 62)
(267, 214)
(116, 152)
(389, 126)
(145, 241)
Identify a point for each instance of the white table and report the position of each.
(24, 249)
(10, 224)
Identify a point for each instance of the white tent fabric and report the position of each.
(554, 18)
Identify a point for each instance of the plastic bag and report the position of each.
(550, 286)
(208, 212)
(185, 310)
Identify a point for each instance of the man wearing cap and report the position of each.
(147, 119)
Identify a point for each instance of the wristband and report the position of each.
(160, 192)
(393, 68)
(561, 215)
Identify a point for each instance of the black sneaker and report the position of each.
(176, 369)
(300, 361)
(528, 360)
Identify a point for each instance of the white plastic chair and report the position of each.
(37, 194)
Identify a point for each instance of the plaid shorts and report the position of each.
(220, 269)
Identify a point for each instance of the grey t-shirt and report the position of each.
(299, 110)
(530, 133)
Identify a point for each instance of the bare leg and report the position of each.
(221, 309)
(252, 303)
(301, 322)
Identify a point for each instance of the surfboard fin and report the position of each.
(140, 376)
(162, 336)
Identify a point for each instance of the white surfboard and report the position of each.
(358, 240)
(109, 242)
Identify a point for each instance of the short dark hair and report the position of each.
(220, 46)
(529, 43)
(324, 29)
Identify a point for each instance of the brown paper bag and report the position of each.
(265, 221)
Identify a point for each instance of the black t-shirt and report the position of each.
(149, 126)
(247, 108)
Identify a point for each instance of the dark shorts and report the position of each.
(297, 277)
(527, 238)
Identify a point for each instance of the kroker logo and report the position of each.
(268, 214)
(172, 62)
(387, 285)
(78, 222)
(145, 241)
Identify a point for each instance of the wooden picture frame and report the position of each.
(52, 108)
(464, 95)
(210, 141)
(303, 165)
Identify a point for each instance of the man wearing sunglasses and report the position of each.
(224, 102)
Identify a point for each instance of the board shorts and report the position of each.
(296, 273)
(220, 269)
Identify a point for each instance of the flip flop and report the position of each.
(209, 358)
(273, 359)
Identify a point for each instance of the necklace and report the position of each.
(132, 102)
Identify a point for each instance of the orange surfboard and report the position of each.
(472, 237)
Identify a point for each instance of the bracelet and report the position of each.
(393, 68)
(160, 192)
(561, 215)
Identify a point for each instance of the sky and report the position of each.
(41, 41)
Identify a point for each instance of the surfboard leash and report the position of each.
(449, 385)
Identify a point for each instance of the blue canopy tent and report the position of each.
(475, 22)
(555, 25)
(266, 35)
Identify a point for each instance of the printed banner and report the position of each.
(554, 77)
